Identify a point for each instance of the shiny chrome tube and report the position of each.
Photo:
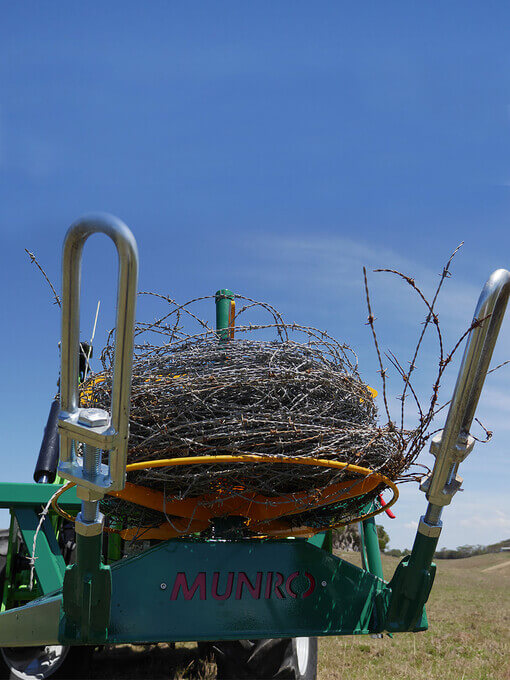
(74, 425)
(454, 443)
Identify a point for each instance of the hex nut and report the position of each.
(429, 530)
(89, 528)
(461, 449)
(86, 494)
(93, 417)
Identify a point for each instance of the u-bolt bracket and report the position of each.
(95, 429)
(454, 443)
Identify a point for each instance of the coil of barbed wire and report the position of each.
(297, 394)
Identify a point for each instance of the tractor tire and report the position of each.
(268, 659)
(44, 662)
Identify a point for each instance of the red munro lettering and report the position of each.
(228, 590)
(311, 588)
(279, 581)
(288, 584)
(269, 585)
(181, 582)
(242, 580)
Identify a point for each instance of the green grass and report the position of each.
(468, 638)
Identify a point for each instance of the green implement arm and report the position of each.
(218, 588)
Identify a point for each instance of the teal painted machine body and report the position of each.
(197, 589)
(185, 590)
(225, 588)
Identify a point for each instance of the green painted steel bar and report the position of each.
(370, 542)
(362, 547)
(223, 299)
(411, 584)
(32, 495)
(87, 592)
(9, 576)
(36, 623)
(186, 589)
(114, 552)
(49, 563)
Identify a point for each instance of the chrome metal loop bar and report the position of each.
(113, 435)
(454, 443)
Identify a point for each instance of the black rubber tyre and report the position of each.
(268, 659)
(40, 663)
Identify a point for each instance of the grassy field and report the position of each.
(468, 639)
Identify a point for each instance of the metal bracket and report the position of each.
(413, 578)
(87, 583)
(458, 452)
(451, 446)
(94, 427)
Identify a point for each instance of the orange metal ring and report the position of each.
(264, 513)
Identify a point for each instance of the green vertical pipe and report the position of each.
(9, 575)
(223, 298)
(423, 551)
(370, 542)
(114, 546)
(87, 592)
(362, 547)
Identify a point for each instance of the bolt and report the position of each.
(163, 586)
(324, 584)
(93, 417)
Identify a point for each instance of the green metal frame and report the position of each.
(196, 589)
(25, 502)
(200, 590)
(370, 550)
(35, 495)
(162, 593)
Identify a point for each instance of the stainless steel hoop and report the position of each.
(96, 429)
(453, 444)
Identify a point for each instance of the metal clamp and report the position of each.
(454, 443)
(95, 429)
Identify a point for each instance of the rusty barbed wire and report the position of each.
(297, 393)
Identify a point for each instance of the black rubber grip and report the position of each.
(46, 468)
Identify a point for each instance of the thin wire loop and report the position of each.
(277, 530)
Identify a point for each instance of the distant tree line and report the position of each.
(470, 550)
(460, 552)
(348, 538)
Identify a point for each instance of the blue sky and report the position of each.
(273, 148)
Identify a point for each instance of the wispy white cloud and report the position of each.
(489, 521)
(497, 399)
(333, 264)
(476, 517)
(322, 276)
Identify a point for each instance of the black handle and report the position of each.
(46, 467)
